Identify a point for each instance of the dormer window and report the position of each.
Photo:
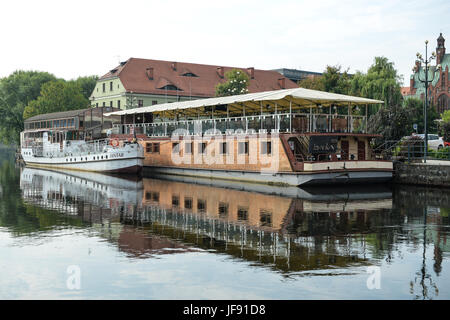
(170, 87)
(189, 74)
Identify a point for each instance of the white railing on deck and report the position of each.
(295, 123)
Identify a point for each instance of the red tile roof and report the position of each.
(406, 91)
(146, 76)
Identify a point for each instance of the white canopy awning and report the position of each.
(298, 97)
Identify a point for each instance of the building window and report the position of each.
(118, 104)
(96, 105)
(140, 103)
(243, 147)
(104, 104)
(110, 104)
(104, 87)
(111, 86)
(266, 147)
(154, 102)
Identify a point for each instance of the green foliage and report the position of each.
(237, 83)
(446, 116)
(336, 81)
(415, 109)
(333, 80)
(389, 122)
(57, 96)
(443, 153)
(16, 91)
(312, 82)
(87, 85)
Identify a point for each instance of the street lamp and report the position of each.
(427, 61)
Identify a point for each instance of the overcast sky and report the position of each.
(79, 38)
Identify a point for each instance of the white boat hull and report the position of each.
(128, 159)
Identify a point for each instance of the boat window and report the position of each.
(223, 148)
(175, 201)
(242, 213)
(223, 209)
(188, 147)
(201, 147)
(175, 147)
(188, 203)
(266, 147)
(201, 205)
(243, 147)
(265, 218)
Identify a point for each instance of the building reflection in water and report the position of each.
(152, 216)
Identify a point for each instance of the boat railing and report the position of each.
(72, 148)
(271, 123)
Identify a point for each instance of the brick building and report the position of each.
(439, 89)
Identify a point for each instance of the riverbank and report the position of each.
(432, 173)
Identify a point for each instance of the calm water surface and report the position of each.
(161, 239)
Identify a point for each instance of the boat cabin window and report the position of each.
(266, 147)
(243, 147)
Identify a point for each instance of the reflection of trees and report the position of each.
(15, 214)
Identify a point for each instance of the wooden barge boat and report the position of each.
(283, 137)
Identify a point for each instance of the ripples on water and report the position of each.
(173, 239)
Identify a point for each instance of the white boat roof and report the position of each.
(300, 97)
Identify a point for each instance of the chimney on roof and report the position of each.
(282, 83)
(174, 66)
(251, 72)
(149, 72)
(220, 72)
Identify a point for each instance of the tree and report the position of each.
(336, 81)
(415, 110)
(16, 91)
(332, 80)
(312, 82)
(57, 96)
(381, 82)
(390, 123)
(237, 83)
(446, 125)
(87, 85)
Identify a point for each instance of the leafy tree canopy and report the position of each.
(237, 83)
(16, 91)
(57, 96)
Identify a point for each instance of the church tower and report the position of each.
(440, 50)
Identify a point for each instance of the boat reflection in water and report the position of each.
(287, 229)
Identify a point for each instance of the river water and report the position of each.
(68, 235)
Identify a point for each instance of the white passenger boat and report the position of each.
(77, 140)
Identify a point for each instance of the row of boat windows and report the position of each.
(86, 159)
(266, 147)
(223, 208)
(63, 123)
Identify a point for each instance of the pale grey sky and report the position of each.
(79, 38)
